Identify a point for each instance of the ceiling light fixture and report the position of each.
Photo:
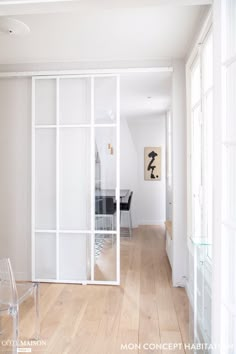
(12, 26)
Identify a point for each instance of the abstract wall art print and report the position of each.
(152, 163)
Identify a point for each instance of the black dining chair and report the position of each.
(126, 207)
(105, 208)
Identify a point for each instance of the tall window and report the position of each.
(228, 187)
(207, 108)
(196, 149)
(201, 103)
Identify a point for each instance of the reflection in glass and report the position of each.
(105, 257)
(105, 178)
(105, 209)
(105, 100)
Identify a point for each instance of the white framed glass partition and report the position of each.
(200, 192)
(75, 179)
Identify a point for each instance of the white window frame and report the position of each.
(196, 55)
(225, 26)
(199, 279)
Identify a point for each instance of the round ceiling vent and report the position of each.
(11, 26)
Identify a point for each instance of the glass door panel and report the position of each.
(45, 256)
(106, 238)
(74, 176)
(105, 178)
(75, 101)
(45, 179)
(105, 257)
(74, 253)
(75, 179)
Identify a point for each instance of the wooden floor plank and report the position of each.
(138, 316)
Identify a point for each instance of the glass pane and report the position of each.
(230, 121)
(228, 185)
(75, 98)
(228, 330)
(207, 63)
(228, 265)
(229, 28)
(105, 257)
(195, 83)
(74, 256)
(45, 101)
(45, 256)
(199, 291)
(105, 100)
(207, 304)
(208, 167)
(45, 179)
(105, 179)
(75, 191)
(197, 173)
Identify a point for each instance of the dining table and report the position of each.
(112, 193)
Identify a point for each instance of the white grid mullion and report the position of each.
(92, 175)
(118, 179)
(74, 125)
(57, 178)
(75, 76)
(33, 183)
(63, 231)
(66, 281)
(102, 232)
(45, 126)
(98, 125)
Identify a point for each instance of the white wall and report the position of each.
(149, 202)
(15, 176)
(128, 169)
(179, 174)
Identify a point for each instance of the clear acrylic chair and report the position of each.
(12, 294)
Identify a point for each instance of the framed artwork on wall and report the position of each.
(152, 163)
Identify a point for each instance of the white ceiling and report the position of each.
(145, 95)
(108, 31)
(43, 6)
(117, 33)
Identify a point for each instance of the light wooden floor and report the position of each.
(99, 319)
